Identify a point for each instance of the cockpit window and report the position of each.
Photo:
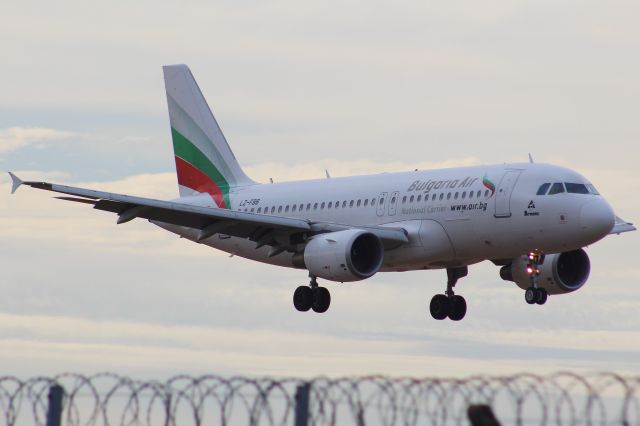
(592, 189)
(557, 188)
(576, 188)
(543, 189)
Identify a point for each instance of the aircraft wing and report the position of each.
(208, 220)
(621, 226)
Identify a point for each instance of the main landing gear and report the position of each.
(449, 304)
(534, 294)
(312, 297)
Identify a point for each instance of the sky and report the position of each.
(298, 87)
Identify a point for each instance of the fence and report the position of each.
(108, 399)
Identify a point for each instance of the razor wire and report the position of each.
(563, 398)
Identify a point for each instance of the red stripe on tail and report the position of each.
(193, 178)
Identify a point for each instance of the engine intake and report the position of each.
(559, 273)
(344, 256)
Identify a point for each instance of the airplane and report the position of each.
(530, 219)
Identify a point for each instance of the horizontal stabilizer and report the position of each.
(621, 226)
(15, 182)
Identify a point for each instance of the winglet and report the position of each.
(15, 182)
(530, 158)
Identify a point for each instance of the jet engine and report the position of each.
(559, 273)
(344, 256)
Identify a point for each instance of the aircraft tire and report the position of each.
(457, 308)
(321, 300)
(439, 307)
(303, 298)
(542, 295)
(531, 295)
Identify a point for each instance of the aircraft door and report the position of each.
(381, 200)
(504, 191)
(393, 203)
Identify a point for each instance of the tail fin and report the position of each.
(204, 161)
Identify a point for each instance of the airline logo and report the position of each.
(489, 185)
(197, 172)
(427, 186)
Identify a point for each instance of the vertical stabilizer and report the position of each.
(204, 160)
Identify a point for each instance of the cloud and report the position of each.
(15, 138)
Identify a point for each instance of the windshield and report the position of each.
(576, 188)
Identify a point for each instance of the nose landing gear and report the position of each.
(534, 294)
(449, 304)
(312, 297)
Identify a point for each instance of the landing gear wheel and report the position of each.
(457, 308)
(531, 295)
(303, 298)
(542, 296)
(321, 300)
(439, 307)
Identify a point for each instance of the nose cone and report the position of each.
(597, 219)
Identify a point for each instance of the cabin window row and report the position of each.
(441, 196)
(312, 206)
(365, 203)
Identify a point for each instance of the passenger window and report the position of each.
(419, 198)
(279, 209)
(470, 194)
(433, 197)
(315, 206)
(366, 202)
(293, 209)
(286, 209)
(273, 209)
(351, 203)
(373, 202)
(252, 209)
(411, 199)
(381, 200)
(543, 189)
(404, 199)
(329, 205)
(358, 203)
(464, 195)
(301, 207)
(479, 193)
(448, 196)
(486, 193)
(337, 204)
(308, 206)
(393, 200)
(455, 196)
(557, 188)
(576, 188)
(441, 196)
(322, 206)
(259, 209)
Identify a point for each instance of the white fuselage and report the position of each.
(452, 218)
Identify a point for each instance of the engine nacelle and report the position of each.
(350, 255)
(559, 273)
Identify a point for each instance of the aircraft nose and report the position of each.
(597, 218)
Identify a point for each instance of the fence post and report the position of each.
(302, 404)
(54, 411)
(482, 415)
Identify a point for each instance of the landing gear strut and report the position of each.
(534, 294)
(312, 297)
(449, 304)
